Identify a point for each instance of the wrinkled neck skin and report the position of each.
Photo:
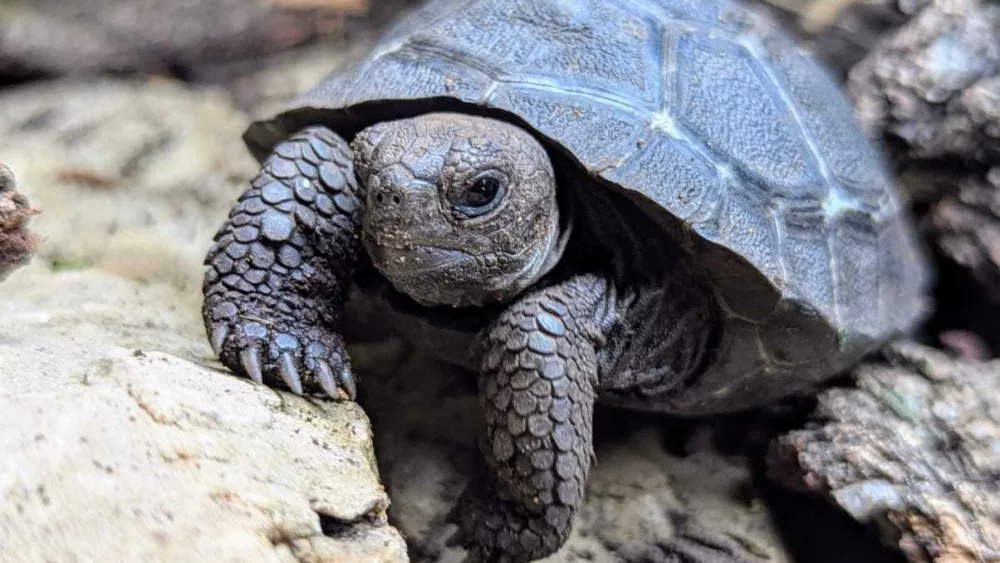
(460, 210)
(540, 260)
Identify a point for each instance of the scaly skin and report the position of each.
(281, 265)
(537, 389)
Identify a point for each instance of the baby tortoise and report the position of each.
(658, 204)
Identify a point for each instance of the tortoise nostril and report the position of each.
(388, 197)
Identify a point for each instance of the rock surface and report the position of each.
(123, 439)
(966, 225)
(913, 449)
(116, 450)
(935, 83)
(17, 243)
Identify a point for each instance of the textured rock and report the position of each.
(966, 226)
(117, 450)
(643, 503)
(914, 449)
(17, 243)
(935, 83)
(122, 439)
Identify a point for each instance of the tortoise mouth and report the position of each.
(414, 260)
(428, 274)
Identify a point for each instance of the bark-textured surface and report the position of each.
(17, 243)
(966, 226)
(935, 83)
(914, 449)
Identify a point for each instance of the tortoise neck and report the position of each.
(616, 238)
(556, 239)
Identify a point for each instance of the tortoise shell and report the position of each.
(708, 115)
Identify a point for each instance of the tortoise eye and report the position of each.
(481, 196)
(481, 192)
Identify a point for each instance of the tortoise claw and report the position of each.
(301, 359)
(347, 382)
(251, 365)
(325, 376)
(219, 338)
(290, 375)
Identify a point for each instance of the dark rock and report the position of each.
(965, 224)
(934, 85)
(914, 450)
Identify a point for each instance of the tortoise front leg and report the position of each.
(537, 389)
(281, 265)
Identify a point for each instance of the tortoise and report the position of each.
(662, 205)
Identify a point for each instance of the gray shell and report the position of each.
(747, 150)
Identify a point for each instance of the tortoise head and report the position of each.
(460, 210)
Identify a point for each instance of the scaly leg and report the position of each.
(281, 265)
(537, 390)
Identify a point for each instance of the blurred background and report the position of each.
(122, 121)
